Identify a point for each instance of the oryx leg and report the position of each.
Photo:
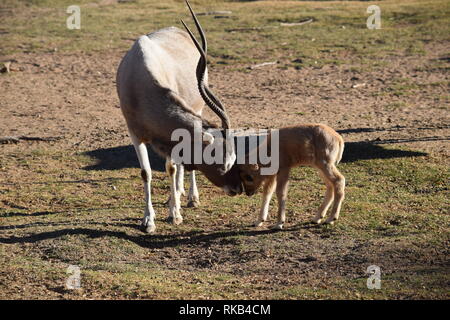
(179, 185)
(193, 197)
(174, 202)
(148, 222)
(180, 179)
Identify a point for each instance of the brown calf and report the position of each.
(314, 145)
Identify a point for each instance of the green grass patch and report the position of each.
(337, 35)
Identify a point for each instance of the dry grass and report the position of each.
(65, 202)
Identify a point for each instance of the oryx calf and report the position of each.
(314, 145)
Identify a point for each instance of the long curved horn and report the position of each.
(210, 99)
(199, 28)
(205, 50)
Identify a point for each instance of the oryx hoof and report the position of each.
(193, 204)
(148, 226)
(175, 220)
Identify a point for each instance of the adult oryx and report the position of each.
(162, 86)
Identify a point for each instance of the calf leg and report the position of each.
(193, 197)
(339, 194)
(338, 182)
(268, 189)
(174, 201)
(148, 221)
(282, 189)
(329, 195)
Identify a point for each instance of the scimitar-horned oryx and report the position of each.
(162, 86)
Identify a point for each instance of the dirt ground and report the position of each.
(73, 97)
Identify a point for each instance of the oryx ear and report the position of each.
(208, 138)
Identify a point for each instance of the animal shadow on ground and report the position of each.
(355, 151)
(125, 157)
(151, 242)
(367, 150)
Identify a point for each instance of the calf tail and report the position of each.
(341, 151)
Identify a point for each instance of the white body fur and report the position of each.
(157, 87)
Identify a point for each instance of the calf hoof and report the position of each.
(175, 220)
(193, 204)
(330, 221)
(317, 220)
(258, 223)
(278, 226)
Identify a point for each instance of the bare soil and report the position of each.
(73, 97)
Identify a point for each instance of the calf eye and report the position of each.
(248, 177)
